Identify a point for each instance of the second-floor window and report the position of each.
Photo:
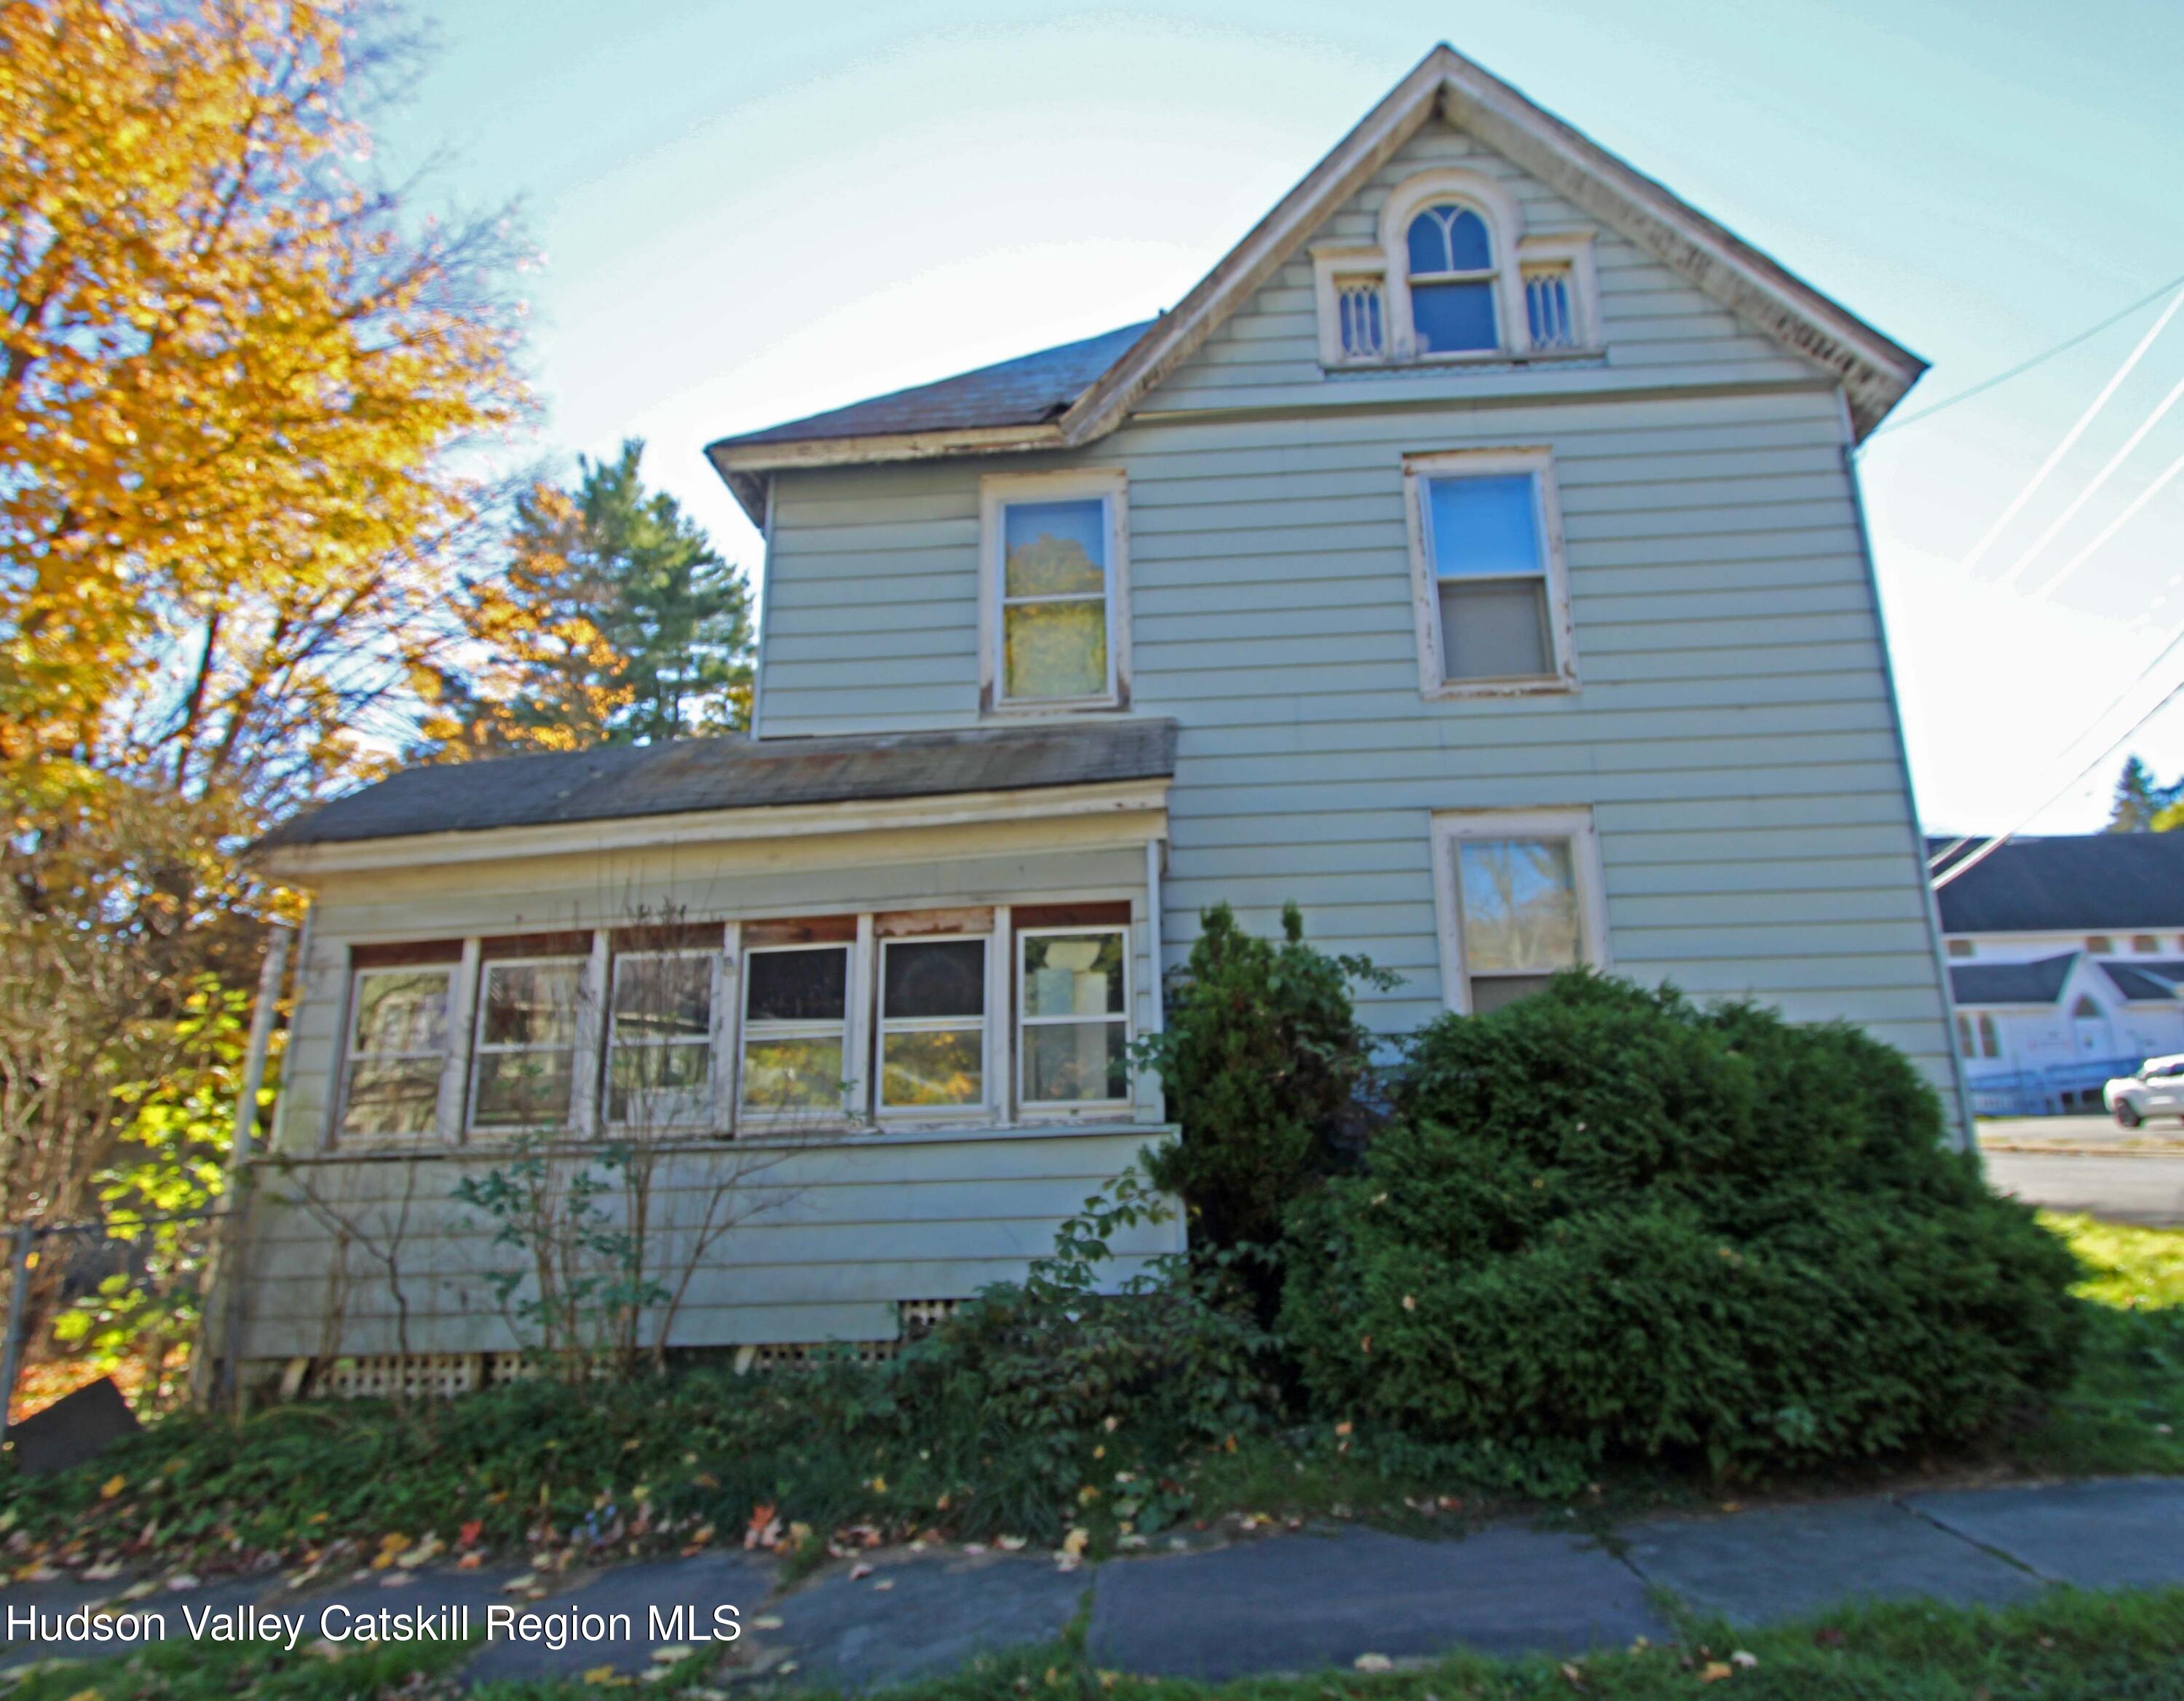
(1492, 601)
(1055, 592)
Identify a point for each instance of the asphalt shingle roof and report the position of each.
(2010, 983)
(618, 782)
(1025, 391)
(2087, 883)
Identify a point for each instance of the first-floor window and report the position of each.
(397, 1047)
(1520, 902)
(1976, 1036)
(796, 1013)
(932, 1023)
(525, 1075)
(660, 1055)
(1073, 1038)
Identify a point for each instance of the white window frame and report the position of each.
(883, 1025)
(763, 1117)
(1020, 991)
(1452, 828)
(709, 1115)
(1110, 486)
(1515, 251)
(1421, 469)
(350, 1055)
(583, 1067)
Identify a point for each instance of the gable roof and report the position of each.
(618, 781)
(2113, 882)
(2010, 983)
(2145, 979)
(1875, 370)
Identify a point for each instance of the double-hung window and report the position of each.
(1073, 1029)
(1452, 280)
(1055, 592)
(933, 1023)
(1488, 581)
(659, 1042)
(524, 1075)
(1518, 895)
(397, 1048)
(795, 1039)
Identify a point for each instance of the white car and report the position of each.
(2157, 1089)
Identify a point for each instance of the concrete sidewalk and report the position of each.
(1293, 1601)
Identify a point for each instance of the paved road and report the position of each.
(2101, 1132)
(2118, 1186)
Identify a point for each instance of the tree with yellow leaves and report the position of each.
(235, 381)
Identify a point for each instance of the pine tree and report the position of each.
(2140, 799)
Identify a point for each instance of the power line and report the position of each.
(2113, 527)
(2025, 366)
(2070, 437)
(2060, 521)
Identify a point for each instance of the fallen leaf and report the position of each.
(599, 1675)
(1075, 1542)
(1742, 1660)
(467, 1535)
(766, 1621)
(670, 1654)
(885, 1583)
(395, 1580)
(514, 1584)
(1373, 1662)
(859, 1571)
(1410, 1302)
(181, 1580)
(112, 1487)
(786, 1667)
(1010, 1544)
(1714, 1670)
(469, 1561)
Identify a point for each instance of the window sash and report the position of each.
(484, 1050)
(357, 1060)
(1438, 653)
(889, 1026)
(1105, 598)
(1103, 1021)
(1472, 989)
(758, 1031)
(679, 1106)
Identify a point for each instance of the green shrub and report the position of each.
(1263, 1058)
(1602, 1215)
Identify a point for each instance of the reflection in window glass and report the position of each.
(526, 1067)
(796, 1001)
(1520, 910)
(661, 1049)
(1490, 576)
(1073, 1022)
(1053, 599)
(932, 1026)
(398, 1049)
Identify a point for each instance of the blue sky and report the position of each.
(747, 212)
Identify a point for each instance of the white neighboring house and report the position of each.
(2066, 958)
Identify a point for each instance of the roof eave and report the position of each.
(743, 465)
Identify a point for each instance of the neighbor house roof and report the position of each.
(2144, 977)
(945, 418)
(621, 781)
(2010, 983)
(2113, 882)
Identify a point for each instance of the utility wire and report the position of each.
(2070, 437)
(2113, 527)
(2025, 366)
(2040, 543)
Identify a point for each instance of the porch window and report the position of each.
(796, 1009)
(1493, 612)
(527, 1043)
(397, 1048)
(932, 1023)
(659, 1043)
(1074, 1016)
(1520, 901)
(1055, 599)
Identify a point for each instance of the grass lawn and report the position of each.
(2064, 1647)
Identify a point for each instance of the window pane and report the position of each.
(524, 1088)
(1482, 526)
(1453, 316)
(1494, 991)
(1448, 238)
(1071, 1062)
(1519, 905)
(792, 1074)
(663, 996)
(658, 1084)
(1055, 549)
(800, 986)
(935, 978)
(1495, 630)
(531, 1003)
(389, 1098)
(1074, 974)
(947, 1067)
(1055, 650)
(402, 1010)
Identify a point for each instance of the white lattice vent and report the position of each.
(917, 1316)
(401, 1376)
(778, 1353)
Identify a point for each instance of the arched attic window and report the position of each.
(1452, 277)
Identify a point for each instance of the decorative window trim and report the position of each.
(996, 491)
(1418, 471)
(1515, 251)
(1450, 828)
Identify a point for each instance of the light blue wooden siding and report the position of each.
(850, 1229)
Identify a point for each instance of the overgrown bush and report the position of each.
(1603, 1215)
(1263, 1057)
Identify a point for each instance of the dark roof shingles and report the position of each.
(1024, 391)
(2085, 883)
(624, 781)
(2010, 983)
